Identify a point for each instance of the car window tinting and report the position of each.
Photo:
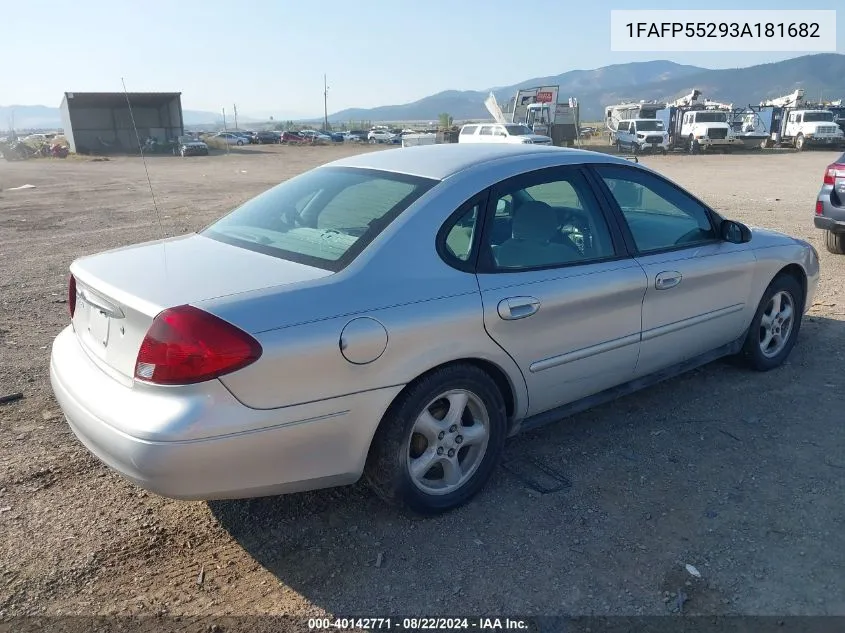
(546, 222)
(460, 236)
(659, 215)
(323, 218)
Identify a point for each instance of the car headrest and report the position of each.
(627, 193)
(534, 221)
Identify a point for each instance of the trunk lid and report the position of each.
(120, 292)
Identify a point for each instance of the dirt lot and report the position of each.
(738, 474)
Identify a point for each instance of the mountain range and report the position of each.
(819, 75)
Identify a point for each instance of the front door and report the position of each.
(558, 294)
(699, 286)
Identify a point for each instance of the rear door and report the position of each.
(559, 293)
(698, 285)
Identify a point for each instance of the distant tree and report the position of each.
(445, 120)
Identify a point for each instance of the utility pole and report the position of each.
(235, 108)
(325, 104)
(224, 120)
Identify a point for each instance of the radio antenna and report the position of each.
(143, 158)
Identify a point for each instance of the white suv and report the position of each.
(504, 133)
(380, 136)
(641, 135)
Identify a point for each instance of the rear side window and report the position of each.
(487, 130)
(469, 129)
(323, 218)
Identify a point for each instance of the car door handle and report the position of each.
(667, 279)
(514, 308)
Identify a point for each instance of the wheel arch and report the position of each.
(798, 274)
(497, 374)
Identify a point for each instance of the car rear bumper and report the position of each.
(154, 435)
(829, 224)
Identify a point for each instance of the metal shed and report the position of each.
(101, 122)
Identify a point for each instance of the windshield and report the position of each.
(711, 117)
(650, 126)
(323, 218)
(518, 130)
(818, 116)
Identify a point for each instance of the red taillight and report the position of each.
(186, 345)
(71, 295)
(834, 171)
(819, 207)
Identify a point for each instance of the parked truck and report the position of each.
(539, 110)
(801, 124)
(695, 126)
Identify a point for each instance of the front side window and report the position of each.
(323, 218)
(659, 215)
(469, 129)
(546, 219)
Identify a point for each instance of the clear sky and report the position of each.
(269, 56)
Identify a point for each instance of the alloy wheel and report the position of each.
(448, 442)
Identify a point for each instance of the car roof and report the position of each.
(441, 161)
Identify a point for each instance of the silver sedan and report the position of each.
(399, 314)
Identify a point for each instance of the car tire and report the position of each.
(403, 437)
(619, 146)
(664, 151)
(240, 143)
(762, 351)
(834, 242)
(694, 146)
(800, 142)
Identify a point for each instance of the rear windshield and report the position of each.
(323, 218)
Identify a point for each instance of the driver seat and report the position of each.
(535, 225)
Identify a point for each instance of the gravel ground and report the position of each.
(736, 473)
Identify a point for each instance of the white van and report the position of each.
(501, 133)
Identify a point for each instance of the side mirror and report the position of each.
(734, 232)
